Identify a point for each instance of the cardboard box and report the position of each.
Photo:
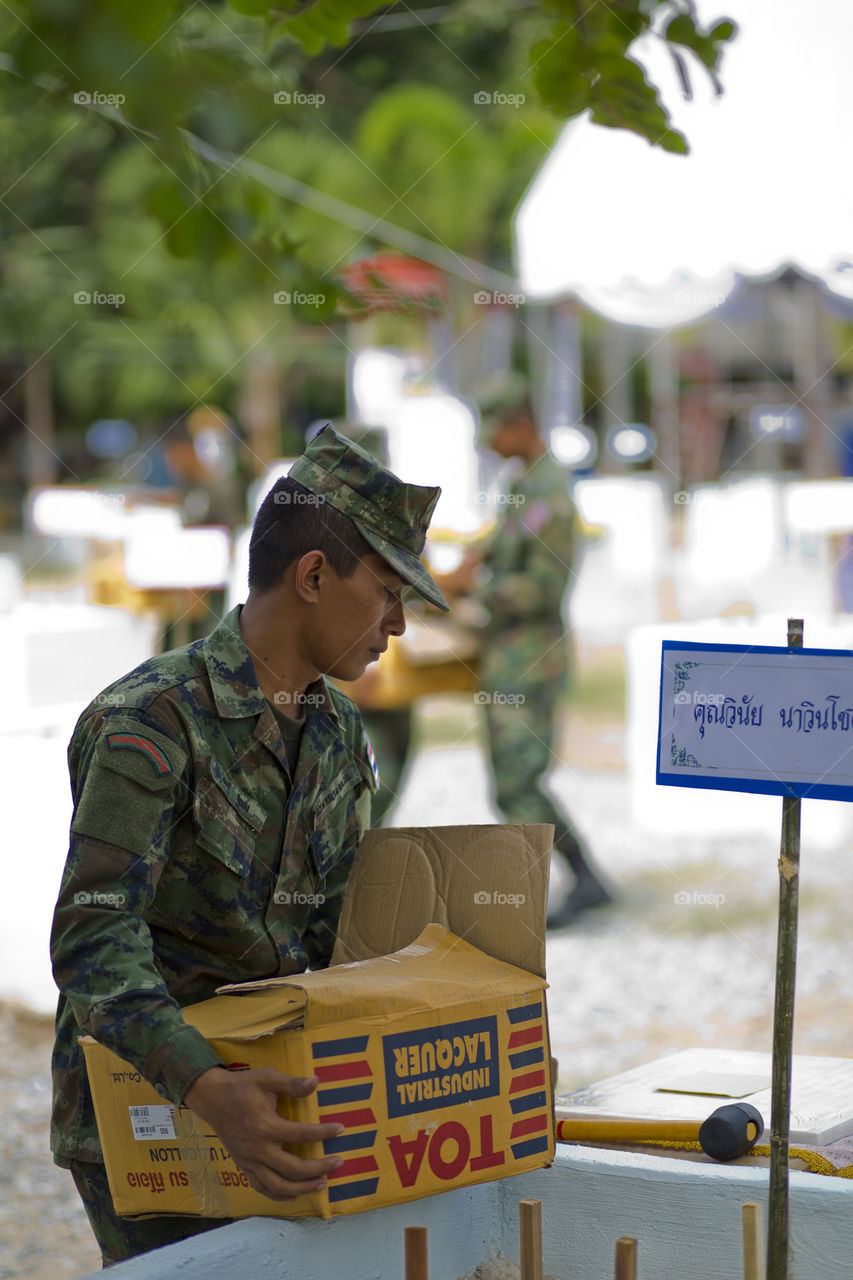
(364, 1028)
(436, 1058)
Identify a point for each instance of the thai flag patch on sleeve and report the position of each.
(373, 765)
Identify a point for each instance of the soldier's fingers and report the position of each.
(276, 1129)
(276, 1187)
(312, 1132)
(292, 1168)
(256, 1157)
(277, 1082)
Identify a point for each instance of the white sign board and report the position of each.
(755, 718)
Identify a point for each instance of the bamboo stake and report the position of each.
(753, 1242)
(626, 1258)
(530, 1231)
(783, 1019)
(416, 1253)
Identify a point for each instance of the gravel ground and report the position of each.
(684, 957)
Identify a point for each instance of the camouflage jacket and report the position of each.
(528, 563)
(195, 860)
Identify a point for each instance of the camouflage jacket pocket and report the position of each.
(226, 820)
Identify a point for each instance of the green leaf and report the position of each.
(326, 22)
(683, 30)
(253, 8)
(725, 30)
(672, 140)
(623, 98)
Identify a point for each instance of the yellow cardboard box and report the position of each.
(436, 1058)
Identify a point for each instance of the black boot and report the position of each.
(587, 892)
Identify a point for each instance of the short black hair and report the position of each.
(292, 521)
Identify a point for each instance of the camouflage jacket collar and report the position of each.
(232, 674)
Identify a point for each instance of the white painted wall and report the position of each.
(57, 656)
(686, 1217)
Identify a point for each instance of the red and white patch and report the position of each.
(373, 765)
(133, 742)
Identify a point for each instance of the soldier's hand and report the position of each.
(240, 1106)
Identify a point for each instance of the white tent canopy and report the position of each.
(649, 238)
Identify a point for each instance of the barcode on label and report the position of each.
(152, 1124)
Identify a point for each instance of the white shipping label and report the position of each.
(151, 1124)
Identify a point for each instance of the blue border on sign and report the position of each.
(802, 790)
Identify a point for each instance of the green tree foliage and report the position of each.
(429, 118)
(168, 66)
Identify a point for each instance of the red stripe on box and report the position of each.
(350, 1118)
(532, 1124)
(342, 1071)
(533, 1080)
(527, 1035)
(349, 1168)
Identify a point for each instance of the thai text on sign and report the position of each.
(755, 718)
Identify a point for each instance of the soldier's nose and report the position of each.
(395, 620)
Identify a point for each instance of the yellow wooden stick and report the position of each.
(530, 1230)
(626, 1259)
(416, 1253)
(753, 1242)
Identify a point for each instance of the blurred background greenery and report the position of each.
(130, 141)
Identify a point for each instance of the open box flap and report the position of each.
(486, 883)
(436, 971)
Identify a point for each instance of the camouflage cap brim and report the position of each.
(409, 567)
(391, 515)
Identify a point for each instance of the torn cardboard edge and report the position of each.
(379, 987)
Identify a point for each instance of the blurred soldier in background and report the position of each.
(521, 576)
(199, 457)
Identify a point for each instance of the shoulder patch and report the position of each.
(536, 516)
(134, 742)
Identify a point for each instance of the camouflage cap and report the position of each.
(391, 516)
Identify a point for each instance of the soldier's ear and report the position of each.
(310, 572)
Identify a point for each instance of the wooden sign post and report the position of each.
(783, 1019)
(779, 722)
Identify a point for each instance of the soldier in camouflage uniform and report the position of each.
(220, 792)
(521, 577)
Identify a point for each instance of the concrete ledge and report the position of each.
(366, 1246)
(686, 1217)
